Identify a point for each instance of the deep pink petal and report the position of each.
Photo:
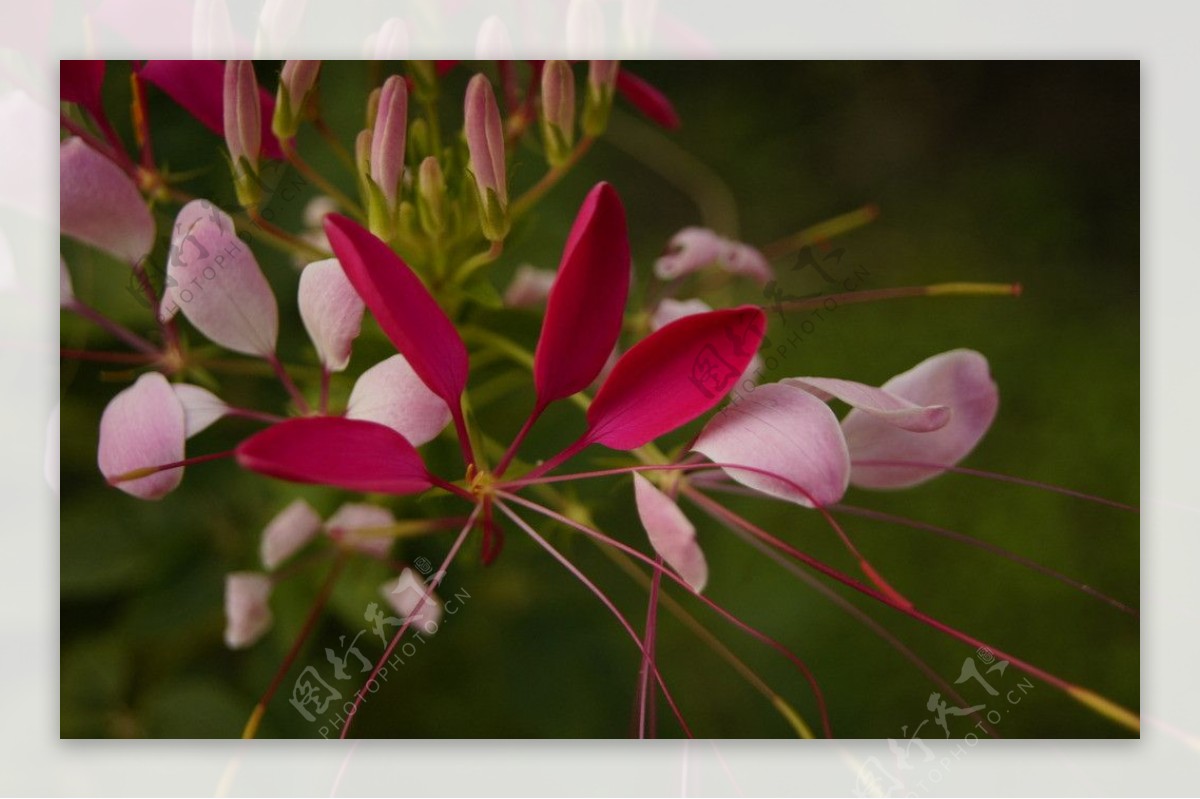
(100, 205)
(674, 375)
(143, 426)
(586, 305)
(404, 308)
(81, 82)
(391, 393)
(215, 281)
(647, 99)
(331, 310)
(877, 402)
(958, 379)
(671, 534)
(199, 86)
(350, 454)
(787, 431)
(288, 532)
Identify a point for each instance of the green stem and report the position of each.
(527, 200)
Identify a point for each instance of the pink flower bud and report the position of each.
(243, 113)
(387, 139)
(100, 205)
(485, 141)
(295, 82)
(558, 110)
(602, 79)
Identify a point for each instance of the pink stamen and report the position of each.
(604, 599)
(387, 653)
(286, 380)
(644, 697)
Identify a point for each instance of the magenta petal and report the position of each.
(100, 205)
(350, 454)
(81, 82)
(391, 394)
(331, 310)
(586, 305)
(215, 281)
(647, 99)
(958, 379)
(671, 534)
(877, 402)
(674, 375)
(788, 432)
(143, 426)
(404, 308)
(199, 86)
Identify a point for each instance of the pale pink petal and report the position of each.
(143, 426)
(742, 259)
(877, 402)
(529, 287)
(405, 592)
(100, 205)
(671, 534)
(182, 249)
(288, 532)
(786, 431)
(216, 282)
(690, 249)
(357, 525)
(317, 209)
(392, 394)
(331, 310)
(958, 379)
(247, 616)
(201, 407)
(669, 310)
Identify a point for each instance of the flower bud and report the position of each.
(431, 196)
(295, 82)
(485, 142)
(247, 615)
(387, 139)
(362, 161)
(373, 105)
(243, 129)
(602, 80)
(558, 110)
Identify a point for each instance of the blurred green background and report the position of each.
(1013, 172)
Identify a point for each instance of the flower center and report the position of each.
(481, 481)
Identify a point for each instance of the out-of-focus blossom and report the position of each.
(694, 248)
(405, 593)
(288, 532)
(360, 526)
(529, 287)
(247, 614)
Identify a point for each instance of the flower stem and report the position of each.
(114, 328)
(303, 167)
(901, 292)
(821, 232)
(286, 380)
(522, 204)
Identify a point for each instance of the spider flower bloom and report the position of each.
(100, 205)
(242, 121)
(485, 143)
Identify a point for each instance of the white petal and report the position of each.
(201, 407)
(391, 394)
(247, 616)
(405, 592)
(357, 525)
(669, 310)
(288, 532)
(331, 310)
(529, 287)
